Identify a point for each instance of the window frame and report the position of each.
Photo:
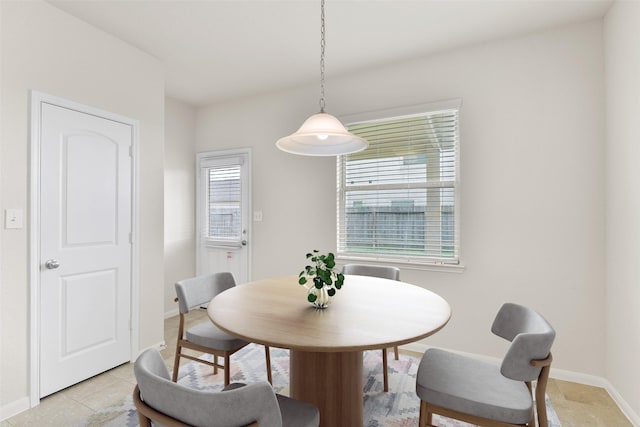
(419, 262)
(215, 159)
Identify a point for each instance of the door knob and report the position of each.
(52, 264)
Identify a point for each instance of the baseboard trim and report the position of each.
(559, 374)
(592, 380)
(171, 313)
(622, 404)
(14, 408)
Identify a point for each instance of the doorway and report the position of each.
(82, 242)
(223, 206)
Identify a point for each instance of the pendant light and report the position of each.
(322, 134)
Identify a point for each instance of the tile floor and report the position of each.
(577, 405)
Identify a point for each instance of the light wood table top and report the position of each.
(326, 345)
(367, 313)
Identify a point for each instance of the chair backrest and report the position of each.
(199, 290)
(241, 406)
(531, 338)
(385, 272)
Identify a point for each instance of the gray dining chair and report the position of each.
(385, 272)
(481, 393)
(171, 404)
(205, 337)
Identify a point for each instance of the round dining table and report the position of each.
(326, 345)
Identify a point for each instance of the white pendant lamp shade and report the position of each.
(322, 135)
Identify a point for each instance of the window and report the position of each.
(397, 199)
(224, 202)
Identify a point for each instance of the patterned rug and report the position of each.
(397, 408)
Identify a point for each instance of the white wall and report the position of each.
(532, 181)
(47, 50)
(179, 202)
(295, 194)
(622, 64)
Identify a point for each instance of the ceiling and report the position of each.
(213, 50)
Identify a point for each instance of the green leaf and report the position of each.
(311, 297)
(322, 273)
(331, 292)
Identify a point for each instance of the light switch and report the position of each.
(13, 218)
(257, 216)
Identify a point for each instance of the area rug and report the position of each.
(397, 408)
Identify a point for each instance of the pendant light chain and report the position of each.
(321, 134)
(322, 46)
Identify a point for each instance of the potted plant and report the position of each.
(325, 280)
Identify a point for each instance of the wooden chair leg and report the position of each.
(215, 365)
(267, 355)
(176, 364)
(425, 415)
(385, 374)
(532, 422)
(541, 404)
(143, 421)
(227, 369)
(395, 350)
(176, 361)
(429, 415)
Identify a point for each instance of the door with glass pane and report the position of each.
(223, 213)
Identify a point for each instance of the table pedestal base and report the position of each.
(332, 382)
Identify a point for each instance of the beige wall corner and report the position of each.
(622, 305)
(179, 201)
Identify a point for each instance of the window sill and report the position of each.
(403, 263)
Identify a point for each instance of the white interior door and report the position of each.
(85, 245)
(223, 213)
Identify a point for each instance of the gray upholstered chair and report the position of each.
(385, 272)
(485, 394)
(206, 337)
(159, 399)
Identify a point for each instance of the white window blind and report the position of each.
(224, 203)
(397, 198)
